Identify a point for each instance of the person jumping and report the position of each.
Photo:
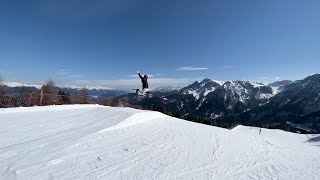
(145, 85)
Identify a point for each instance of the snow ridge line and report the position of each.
(135, 119)
(47, 108)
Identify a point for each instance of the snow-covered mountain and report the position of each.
(96, 91)
(279, 86)
(243, 90)
(280, 83)
(85, 87)
(233, 97)
(297, 105)
(18, 84)
(210, 98)
(97, 142)
(303, 94)
(167, 89)
(225, 104)
(203, 88)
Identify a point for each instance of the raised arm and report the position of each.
(139, 74)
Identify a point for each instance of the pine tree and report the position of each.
(2, 91)
(86, 98)
(49, 93)
(64, 98)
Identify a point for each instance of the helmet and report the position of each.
(145, 76)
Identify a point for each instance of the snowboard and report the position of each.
(142, 92)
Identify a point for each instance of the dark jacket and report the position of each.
(144, 81)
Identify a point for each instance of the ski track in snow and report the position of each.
(97, 142)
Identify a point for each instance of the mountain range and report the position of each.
(292, 106)
(208, 98)
(98, 93)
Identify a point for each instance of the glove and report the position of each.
(138, 72)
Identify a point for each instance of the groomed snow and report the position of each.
(97, 142)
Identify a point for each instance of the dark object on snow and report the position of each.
(144, 81)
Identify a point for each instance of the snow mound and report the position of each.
(98, 142)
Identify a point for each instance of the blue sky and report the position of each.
(104, 42)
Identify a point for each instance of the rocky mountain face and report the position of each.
(201, 89)
(302, 95)
(280, 83)
(233, 97)
(279, 86)
(165, 90)
(298, 103)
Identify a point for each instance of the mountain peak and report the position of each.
(206, 80)
(314, 77)
(17, 84)
(167, 88)
(280, 83)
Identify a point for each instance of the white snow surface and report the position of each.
(195, 94)
(98, 142)
(219, 82)
(207, 91)
(17, 84)
(256, 84)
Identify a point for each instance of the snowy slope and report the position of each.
(96, 142)
(166, 89)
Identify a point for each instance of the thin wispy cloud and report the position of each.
(6, 73)
(277, 78)
(75, 76)
(191, 68)
(227, 67)
(62, 72)
(68, 74)
(136, 76)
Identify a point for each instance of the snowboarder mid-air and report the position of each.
(145, 86)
